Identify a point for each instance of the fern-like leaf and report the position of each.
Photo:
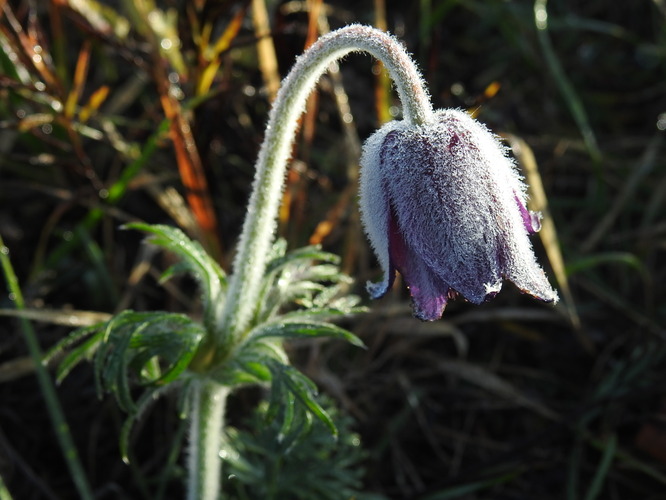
(210, 276)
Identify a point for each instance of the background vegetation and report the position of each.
(154, 111)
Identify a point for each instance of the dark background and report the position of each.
(513, 399)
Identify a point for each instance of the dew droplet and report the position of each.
(541, 15)
(457, 89)
(176, 93)
(661, 121)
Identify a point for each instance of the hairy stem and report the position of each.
(204, 465)
(260, 220)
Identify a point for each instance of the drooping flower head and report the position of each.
(443, 205)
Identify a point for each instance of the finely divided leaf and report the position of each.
(151, 347)
(211, 277)
(297, 327)
(302, 391)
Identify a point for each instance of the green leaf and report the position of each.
(323, 272)
(289, 381)
(306, 277)
(288, 430)
(258, 370)
(322, 314)
(81, 353)
(111, 370)
(171, 337)
(71, 339)
(337, 297)
(209, 275)
(268, 465)
(307, 254)
(175, 270)
(154, 348)
(145, 401)
(300, 328)
(250, 363)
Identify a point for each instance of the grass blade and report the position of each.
(4, 492)
(602, 471)
(466, 489)
(568, 92)
(648, 162)
(60, 426)
(548, 232)
(266, 49)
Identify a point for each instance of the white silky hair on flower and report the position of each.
(374, 205)
(461, 226)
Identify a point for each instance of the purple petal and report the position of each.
(429, 293)
(454, 194)
(444, 205)
(374, 205)
(532, 220)
(447, 208)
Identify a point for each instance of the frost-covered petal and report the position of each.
(374, 205)
(459, 208)
(454, 192)
(429, 293)
(531, 220)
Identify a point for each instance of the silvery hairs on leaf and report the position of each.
(443, 204)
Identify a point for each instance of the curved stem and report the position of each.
(260, 220)
(204, 464)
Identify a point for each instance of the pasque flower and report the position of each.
(443, 205)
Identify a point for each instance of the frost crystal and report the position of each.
(442, 204)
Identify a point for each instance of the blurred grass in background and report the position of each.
(154, 110)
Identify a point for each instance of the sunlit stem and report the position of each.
(204, 463)
(260, 220)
